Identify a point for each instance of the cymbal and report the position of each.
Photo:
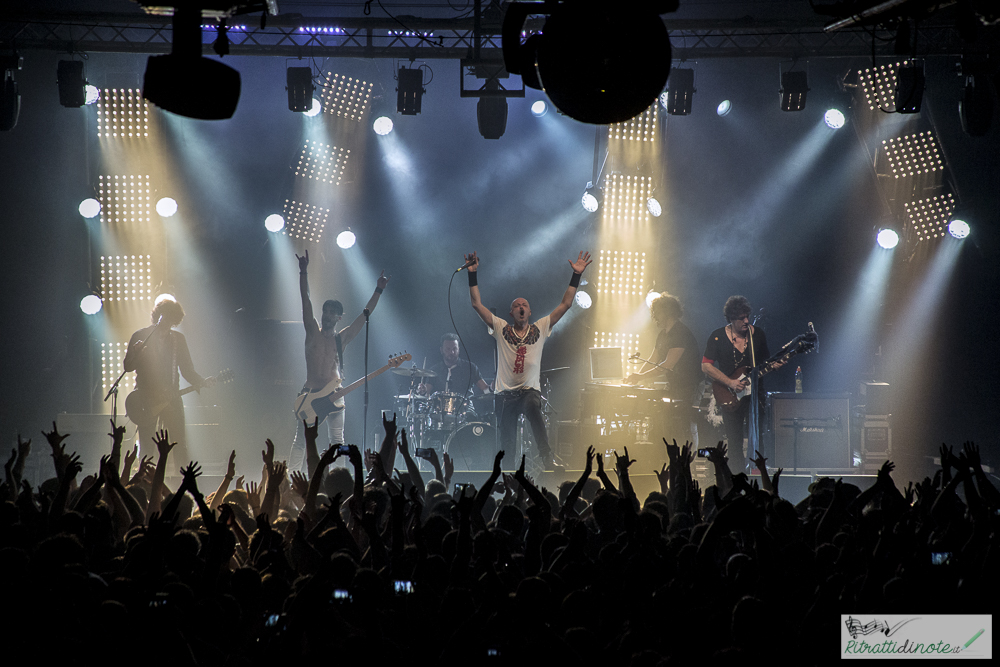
(553, 370)
(415, 397)
(414, 372)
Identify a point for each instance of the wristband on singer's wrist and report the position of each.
(473, 279)
(378, 290)
(575, 280)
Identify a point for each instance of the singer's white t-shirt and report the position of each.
(520, 358)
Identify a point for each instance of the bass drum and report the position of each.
(473, 447)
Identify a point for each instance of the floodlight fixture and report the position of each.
(315, 109)
(601, 81)
(69, 76)
(346, 239)
(91, 304)
(583, 300)
(976, 106)
(959, 229)
(834, 118)
(299, 84)
(794, 88)
(680, 92)
(409, 91)
(654, 208)
(166, 206)
(382, 125)
(274, 223)
(909, 87)
(491, 112)
(725, 106)
(539, 109)
(90, 208)
(887, 238)
(10, 98)
(589, 199)
(93, 94)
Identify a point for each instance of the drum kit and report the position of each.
(449, 422)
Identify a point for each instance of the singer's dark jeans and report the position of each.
(510, 406)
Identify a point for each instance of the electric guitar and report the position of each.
(323, 402)
(143, 407)
(728, 400)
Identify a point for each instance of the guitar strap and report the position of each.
(340, 354)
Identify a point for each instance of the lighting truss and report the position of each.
(640, 128)
(125, 199)
(345, 97)
(112, 355)
(629, 343)
(621, 273)
(929, 218)
(878, 85)
(625, 198)
(913, 154)
(322, 162)
(122, 113)
(126, 278)
(304, 221)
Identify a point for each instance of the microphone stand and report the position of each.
(367, 314)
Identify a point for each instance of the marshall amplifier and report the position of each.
(811, 430)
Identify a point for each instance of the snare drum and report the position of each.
(473, 447)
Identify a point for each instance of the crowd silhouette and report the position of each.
(369, 563)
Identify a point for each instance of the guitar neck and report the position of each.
(343, 391)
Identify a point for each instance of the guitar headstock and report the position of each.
(399, 359)
(225, 376)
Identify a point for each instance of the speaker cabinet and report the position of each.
(811, 430)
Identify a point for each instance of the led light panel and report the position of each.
(878, 84)
(126, 278)
(640, 128)
(626, 197)
(345, 96)
(913, 154)
(304, 221)
(929, 217)
(621, 272)
(122, 113)
(322, 162)
(112, 355)
(124, 198)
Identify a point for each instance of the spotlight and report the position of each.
(680, 93)
(346, 239)
(274, 223)
(976, 106)
(90, 207)
(794, 86)
(834, 118)
(166, 207)
(491, 112)
(725, 106)
(69, 75)
(382, 125)
(589, 199)
(650, 296)
(164, 296)
(410, 91)
(654, 208)
(600, 81)
(539, 109)
(10, 99)
(91, 304)
(887, 239)
(909, 88)
(314, 110)
(299, 85)
(93, 94)
(583, 300)
(958, 228)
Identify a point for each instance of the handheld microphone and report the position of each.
(464, 266)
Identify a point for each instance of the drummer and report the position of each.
(453, 374)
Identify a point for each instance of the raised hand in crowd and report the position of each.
(717, 456)
(253, 497)
(761, 463)
(127, 462)
(117, 436)
(568, 509)
(224, 484)
(311, 432)
(449, 469)
(411, 466)
(602, 475)
(430, 454)
(163, 446)
(143, 472)
(59, 457)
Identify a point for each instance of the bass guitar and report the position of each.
(728, 400)
(323, 402)
(143, 407)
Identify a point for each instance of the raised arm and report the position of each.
(348, 334)
(477, 304)
(308, 319)
(581, 263)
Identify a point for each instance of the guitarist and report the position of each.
(736, 345)
(156, 354)
(325, 353)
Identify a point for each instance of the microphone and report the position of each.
(367, 313)
(465, 266)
